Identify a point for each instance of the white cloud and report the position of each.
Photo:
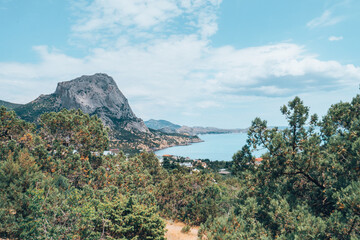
(207, 104)
(335, 38)
(326, 19)
(186, 76)
(183, 70)
(272, 90)
(102, 20)
(176, 71)
(110, 14)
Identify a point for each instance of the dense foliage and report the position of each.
(306, 187)
(55, 182)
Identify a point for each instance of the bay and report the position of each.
(215, 147)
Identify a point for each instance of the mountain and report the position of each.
(96, 94)
(207, 130)
(168, 127)
(9, 104)
(159, 124)
(99, 95)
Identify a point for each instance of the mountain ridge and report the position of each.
(159, 124)
(93, 94)
(169, 127)
(99, 95)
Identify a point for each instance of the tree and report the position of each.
(73, 129)
(19, 174)
(11, 127)
(134, 221)
(13, 132)
(307, 183)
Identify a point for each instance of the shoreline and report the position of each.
(215, 147)
(191, 143)
(201, 140)
(177, 145)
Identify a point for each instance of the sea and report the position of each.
(219, 147)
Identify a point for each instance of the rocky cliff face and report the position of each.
(98, 94)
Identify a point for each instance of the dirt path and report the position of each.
(174, 231)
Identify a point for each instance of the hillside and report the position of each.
(9, 104)
(159, 124)
(99, 95)
(168, 127)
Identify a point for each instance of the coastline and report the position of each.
(177, 145)
(200, 140)
(215, 147)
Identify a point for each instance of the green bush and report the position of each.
(186, 229)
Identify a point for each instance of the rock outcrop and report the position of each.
(98, 94)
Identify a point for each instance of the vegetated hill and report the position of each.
(9, 104)
(168, 127)
(159, 124)
(99, 95)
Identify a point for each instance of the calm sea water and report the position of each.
(215, 147)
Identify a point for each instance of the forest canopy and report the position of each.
(307, 185)
(55, 183)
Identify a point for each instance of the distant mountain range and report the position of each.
(169, 127)
(99, 95)
(161, 124)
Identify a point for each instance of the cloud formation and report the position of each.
(186, 69)
(335, 38)
(100, 20)
(159, 53)
(326, 19)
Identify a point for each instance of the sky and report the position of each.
(214, 63)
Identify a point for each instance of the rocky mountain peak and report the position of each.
(99, 94)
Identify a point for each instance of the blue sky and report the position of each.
(193, 62)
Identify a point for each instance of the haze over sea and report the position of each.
(215, 147)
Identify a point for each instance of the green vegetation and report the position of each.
(134, 142)
(307, 186)
(55, 183)
(9, 105)
(186, 229)
(129, 141)
(50, 191)
(32, 110)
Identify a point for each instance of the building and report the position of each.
(115, 151)
(223, 171)
(186, 164)
(203, 164)
(112, 152)
(160, 158)
(106, 153)
(258, 161)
